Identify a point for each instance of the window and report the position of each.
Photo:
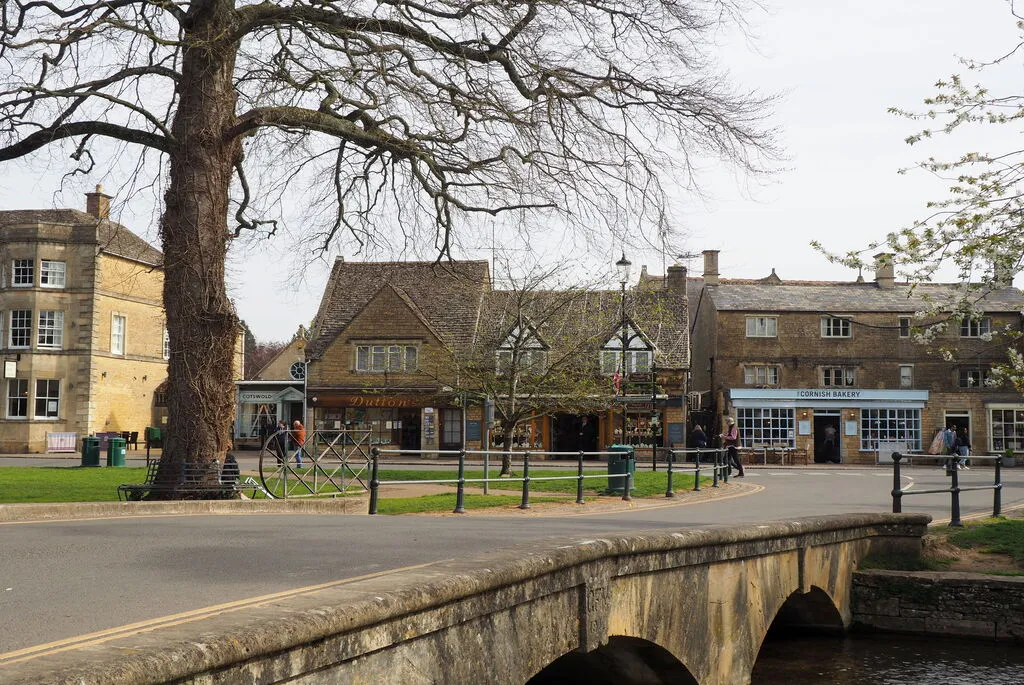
(167, 344)
(21, 328)
(762, 326)
(905, 326)
(17, 398)
(530, 361)
(838, 376)
(47, 399)
(637, 361)
(118, 325)
(761, 375)
(50, 332)
(764, 426)
(1007, 430)
(451, 432)
(973, 378)
(52, 274)
(22, 275)
(906, 376)
(975, 328)
(297, 371)
(835, 327)
(890, 425)
(386, 358)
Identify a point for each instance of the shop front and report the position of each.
(830, 425)
(260, 405)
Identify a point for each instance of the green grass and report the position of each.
(64, 484)
(430, 503)
(1002, 536)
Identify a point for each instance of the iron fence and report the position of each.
(954, 488)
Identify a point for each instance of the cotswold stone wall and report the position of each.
(965, 604)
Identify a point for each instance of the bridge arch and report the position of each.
(621, 661)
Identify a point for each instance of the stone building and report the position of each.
(404, 349)
(832, 369)
(275, 392)
(82, 327)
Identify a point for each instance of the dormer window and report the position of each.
(639, 352)
(523, 351)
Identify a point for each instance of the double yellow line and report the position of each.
(79, 641)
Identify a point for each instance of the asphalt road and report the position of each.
(67, 578)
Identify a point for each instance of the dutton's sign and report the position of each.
(377, 401)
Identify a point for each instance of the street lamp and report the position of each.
(623, 268)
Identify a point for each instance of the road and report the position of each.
(67, 578)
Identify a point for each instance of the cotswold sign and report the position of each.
(848, 395)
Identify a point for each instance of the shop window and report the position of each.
(761, 375)
(17, 398)
(21, 328)
(50, 332)
(451, 433)
(890, 425)
(386, 358)
(973, 378)
(762, 327)
(47, 399)
(1007, 430)
(976, 328)
(22, 273)
(52, 274)
(766, 426)
(838, 376)
(835, 327)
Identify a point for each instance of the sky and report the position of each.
(836, 68)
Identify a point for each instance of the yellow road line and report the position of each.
(79, 641)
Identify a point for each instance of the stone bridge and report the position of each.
(691, 606)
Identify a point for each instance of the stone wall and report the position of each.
(964, 604)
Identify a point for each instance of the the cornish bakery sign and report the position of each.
(828, 394)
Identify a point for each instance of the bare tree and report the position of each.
(422, 114)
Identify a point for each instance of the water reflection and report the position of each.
(888, 660)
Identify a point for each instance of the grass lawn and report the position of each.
(427, 503)
(1001, 536)
(64, 484)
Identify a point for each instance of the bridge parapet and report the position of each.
(705, 596)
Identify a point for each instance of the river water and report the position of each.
(888, 660)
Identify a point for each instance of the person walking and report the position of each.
(963, 448)
(730, 440)
(298, 439)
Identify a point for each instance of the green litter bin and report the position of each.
(115, 451)
(90, 451)
(621, 461)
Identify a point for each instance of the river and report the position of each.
(888, 660)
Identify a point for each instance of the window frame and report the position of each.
(766, 425)
(901, 425)
(906, 380)
(45, 398)
(1007, 426)
(19, 272)
(115, 336)
(755, 369)
(44, 272)
(167, 344)
(633, 361)
(829, 323)
(760, 328)
(846, 374)
(983, 374)
(392, 358)
(23, 399)
(55, 329)
(971, 327)
(906, 323)
(27, 332)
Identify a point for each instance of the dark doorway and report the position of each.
(410, 435)
(573, 432)
(827, 443)
(295, 413)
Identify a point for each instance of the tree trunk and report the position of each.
(506, 455)
(201, 320)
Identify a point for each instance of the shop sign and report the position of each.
(852, 394)
(377, 401)
(253, 396)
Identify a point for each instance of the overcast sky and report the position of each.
(837, 66)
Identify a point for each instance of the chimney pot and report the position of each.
(675, 279)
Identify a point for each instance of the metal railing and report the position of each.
(718, 456)
(719, 466)
(333, 461)
(954, 488)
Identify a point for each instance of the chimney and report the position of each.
(885, 271)
(98, 203)
(711, 267)
(1002, 272)
(675, 279)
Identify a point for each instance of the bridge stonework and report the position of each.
(702, 599)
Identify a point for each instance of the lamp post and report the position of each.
(623, 268)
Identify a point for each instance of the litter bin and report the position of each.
(115, 452)
(154, 437)
(621, 461)
(90, 451)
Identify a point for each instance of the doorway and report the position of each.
(573, 432)
(409, 436)
(960, 419)
(827, 437)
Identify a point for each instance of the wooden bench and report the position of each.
(193, 481)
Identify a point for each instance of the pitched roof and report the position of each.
(446, 294)
(846, 297)
(112, 237)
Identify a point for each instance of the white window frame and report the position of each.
(972, 378)
(51, 275)
(167, 344)
(11, 382)
(766, 426)
(118, 338)
(906, 323)
(889, 425)
(637, 361)
(20, 268)
(46, 398)
(25, 315)
(836, 327)
(976, 328)
(761, 374)
(906, 375)
(762, 326)
(845, 375)
(387, 358)
(1007, 425)
(533, 360)
(50, 324)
